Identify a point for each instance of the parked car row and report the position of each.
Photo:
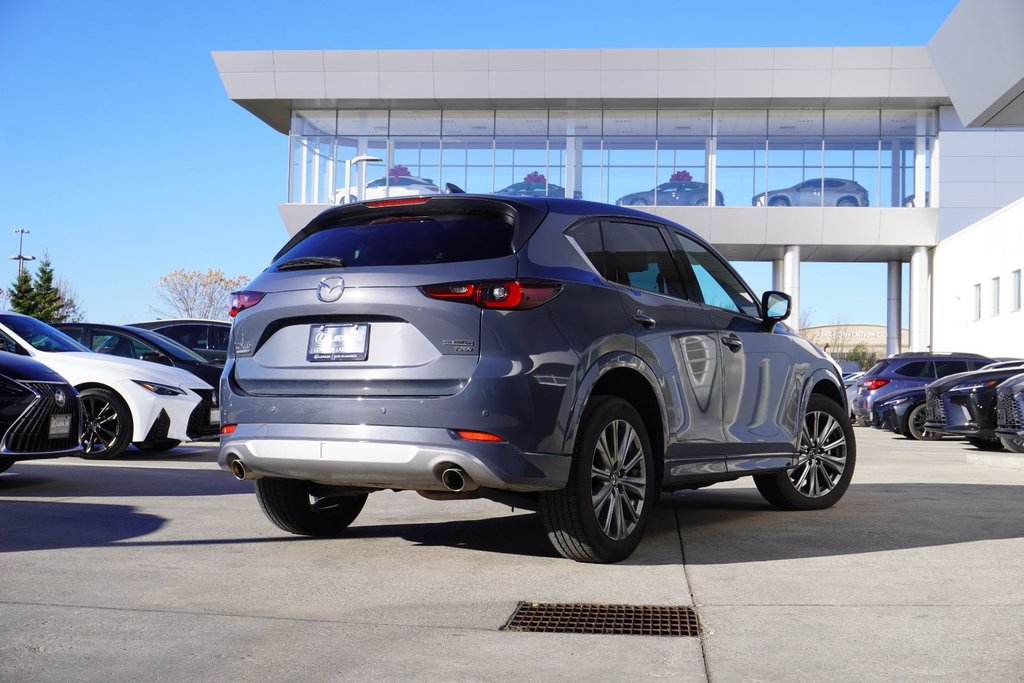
(93, 390)
(917, 396)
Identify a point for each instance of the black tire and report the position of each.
(985, 444)
(288, 504)
(106, 424)
(913, 426)
(5, 465)
(157, 445)
(847, 202)
(624, 481)
(827, 466)
(639, 201)
(778, 201)
(701, 202)
(1014, 445)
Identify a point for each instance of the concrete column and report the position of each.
(920, 304)
(893, 309)
(777, 274)
(710, 167)
(791, 283)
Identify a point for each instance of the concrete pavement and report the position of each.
(164, 568)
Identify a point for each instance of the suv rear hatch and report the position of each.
(344, 311)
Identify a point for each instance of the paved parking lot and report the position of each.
(164, 568)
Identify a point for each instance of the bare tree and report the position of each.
(198, 294)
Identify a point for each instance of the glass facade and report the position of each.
(797, 157)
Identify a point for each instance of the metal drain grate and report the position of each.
(630, 620)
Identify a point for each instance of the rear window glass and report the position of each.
(408, 241)
(877, 369)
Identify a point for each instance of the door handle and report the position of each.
(733, 342)
(647, 321)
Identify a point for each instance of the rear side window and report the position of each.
(921, 368)
(877, 369)
(949, 367)
(407, 241)
(587, 237)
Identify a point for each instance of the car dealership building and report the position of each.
(874, 154)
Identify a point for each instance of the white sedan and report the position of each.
(124, 400)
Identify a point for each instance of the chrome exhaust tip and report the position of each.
(455, 480)
(238, 470)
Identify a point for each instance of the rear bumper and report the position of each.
(386, 457)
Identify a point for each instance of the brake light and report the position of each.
(401, 201)
(873, 384)
(243, 300)
(506, 295)
(470, 435)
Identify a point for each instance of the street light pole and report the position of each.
(21, 258)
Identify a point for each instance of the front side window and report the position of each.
(718, 284)
(950, 367)
(192, 336)
(637, 256)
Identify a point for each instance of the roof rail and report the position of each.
(930, 354)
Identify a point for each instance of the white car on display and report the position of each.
(124, 401)
(389, 186)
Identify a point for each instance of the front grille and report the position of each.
(30, 433)
(1008, 412)
(635, 620)
(199, 424)
(936, 411)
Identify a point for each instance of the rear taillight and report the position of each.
(872, 384)
(470, 435)
(243, 300)
(506, 295)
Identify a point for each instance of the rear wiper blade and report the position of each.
(312, 262)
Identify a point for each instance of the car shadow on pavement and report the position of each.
(732, 525)
(87, 481)
(46, 525)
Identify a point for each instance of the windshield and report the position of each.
(169, 346)
(40, 336)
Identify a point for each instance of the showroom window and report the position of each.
(977, 302)
(995, 296)
(644, 157)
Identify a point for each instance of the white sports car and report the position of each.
(124, 400)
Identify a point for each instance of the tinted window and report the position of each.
(409, 240)
(877, 369)
(170, 346)
(718, 284)
(949, 367)
(219, 337)
(117, 344)
(73, 332)
(587, 237)
(829, 182)
(41, 336)
(638, 257)
(920, 368)
(192, 336)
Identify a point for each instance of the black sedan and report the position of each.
(40, 414)
(904, 412)
(135, 342)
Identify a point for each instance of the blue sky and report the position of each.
(121, 153)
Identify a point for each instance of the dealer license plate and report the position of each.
(347, 342)
(60, 426)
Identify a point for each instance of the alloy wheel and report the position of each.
(618, 480)
(823, 456)
(100, 424)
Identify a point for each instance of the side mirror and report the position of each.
(776, 306)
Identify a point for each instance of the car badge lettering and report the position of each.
(330, 289)
(59, 398)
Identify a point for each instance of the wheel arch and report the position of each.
(629, 378)
(824, 383)
(132, 408)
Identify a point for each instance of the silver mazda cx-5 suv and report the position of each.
(554, 354)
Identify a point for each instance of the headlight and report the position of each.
(976, 386)
(159, 389)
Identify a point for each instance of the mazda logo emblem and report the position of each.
(330, 289)
(59, 398)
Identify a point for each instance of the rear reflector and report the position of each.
(401, 201)
(228, 429)
(469, 435)
(873, 384)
